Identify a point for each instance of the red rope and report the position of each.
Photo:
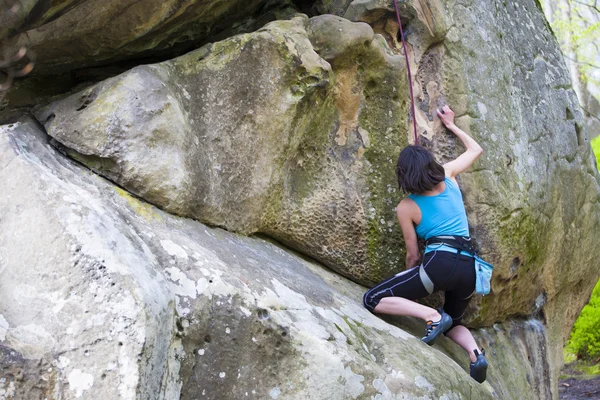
(412, 97)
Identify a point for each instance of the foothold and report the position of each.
(516, 262)
(263, 314)
(569, 114)
(275, 393)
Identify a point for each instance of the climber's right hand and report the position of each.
(446, 115)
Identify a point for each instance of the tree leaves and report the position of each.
(576, 24)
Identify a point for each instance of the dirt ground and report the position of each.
(579, 389)
(577, 386)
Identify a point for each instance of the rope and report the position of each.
(412, 97)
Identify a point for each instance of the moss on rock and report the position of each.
(268, 132)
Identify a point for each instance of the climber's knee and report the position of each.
(370, 301)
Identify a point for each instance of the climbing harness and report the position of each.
(483, 269)
(463, 243)
(412, 97)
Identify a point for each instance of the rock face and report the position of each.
(536, 191)
(258, 133)
(73, 34)
(292, 131)
(120, 300)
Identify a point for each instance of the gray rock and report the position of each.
(257, 134)
(105, 296)
(75, 34)
(266, 136)
(333, 37)
(80, 291)
(269, 137)
(425, 22)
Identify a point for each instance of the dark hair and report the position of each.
(417, 170)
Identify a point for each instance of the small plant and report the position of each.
(585, 337)
(596, 148)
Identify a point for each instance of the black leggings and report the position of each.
(452, 272)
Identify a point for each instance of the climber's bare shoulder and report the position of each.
(408, 212)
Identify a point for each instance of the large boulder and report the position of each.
(103, 296)
(293, 132)
(259, 133)
(74, 34)
(533, 198)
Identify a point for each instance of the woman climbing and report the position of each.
(434, 211)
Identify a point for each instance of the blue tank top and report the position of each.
(442, 214)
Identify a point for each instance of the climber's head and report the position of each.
(417, 170)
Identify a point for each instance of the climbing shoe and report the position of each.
(479, 367)
(435, 329)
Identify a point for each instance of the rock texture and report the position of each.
(120, 300)
(259, 133)
(536, 192)
(248, 155)
(292, 131)
(74, 34)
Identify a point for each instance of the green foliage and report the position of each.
(596, 148)
(585, 337)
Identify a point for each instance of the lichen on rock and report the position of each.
(168, 308)
(291, 132)
(240, 134)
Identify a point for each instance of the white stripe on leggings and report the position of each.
(404, 272)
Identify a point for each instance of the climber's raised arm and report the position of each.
(472, 152)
